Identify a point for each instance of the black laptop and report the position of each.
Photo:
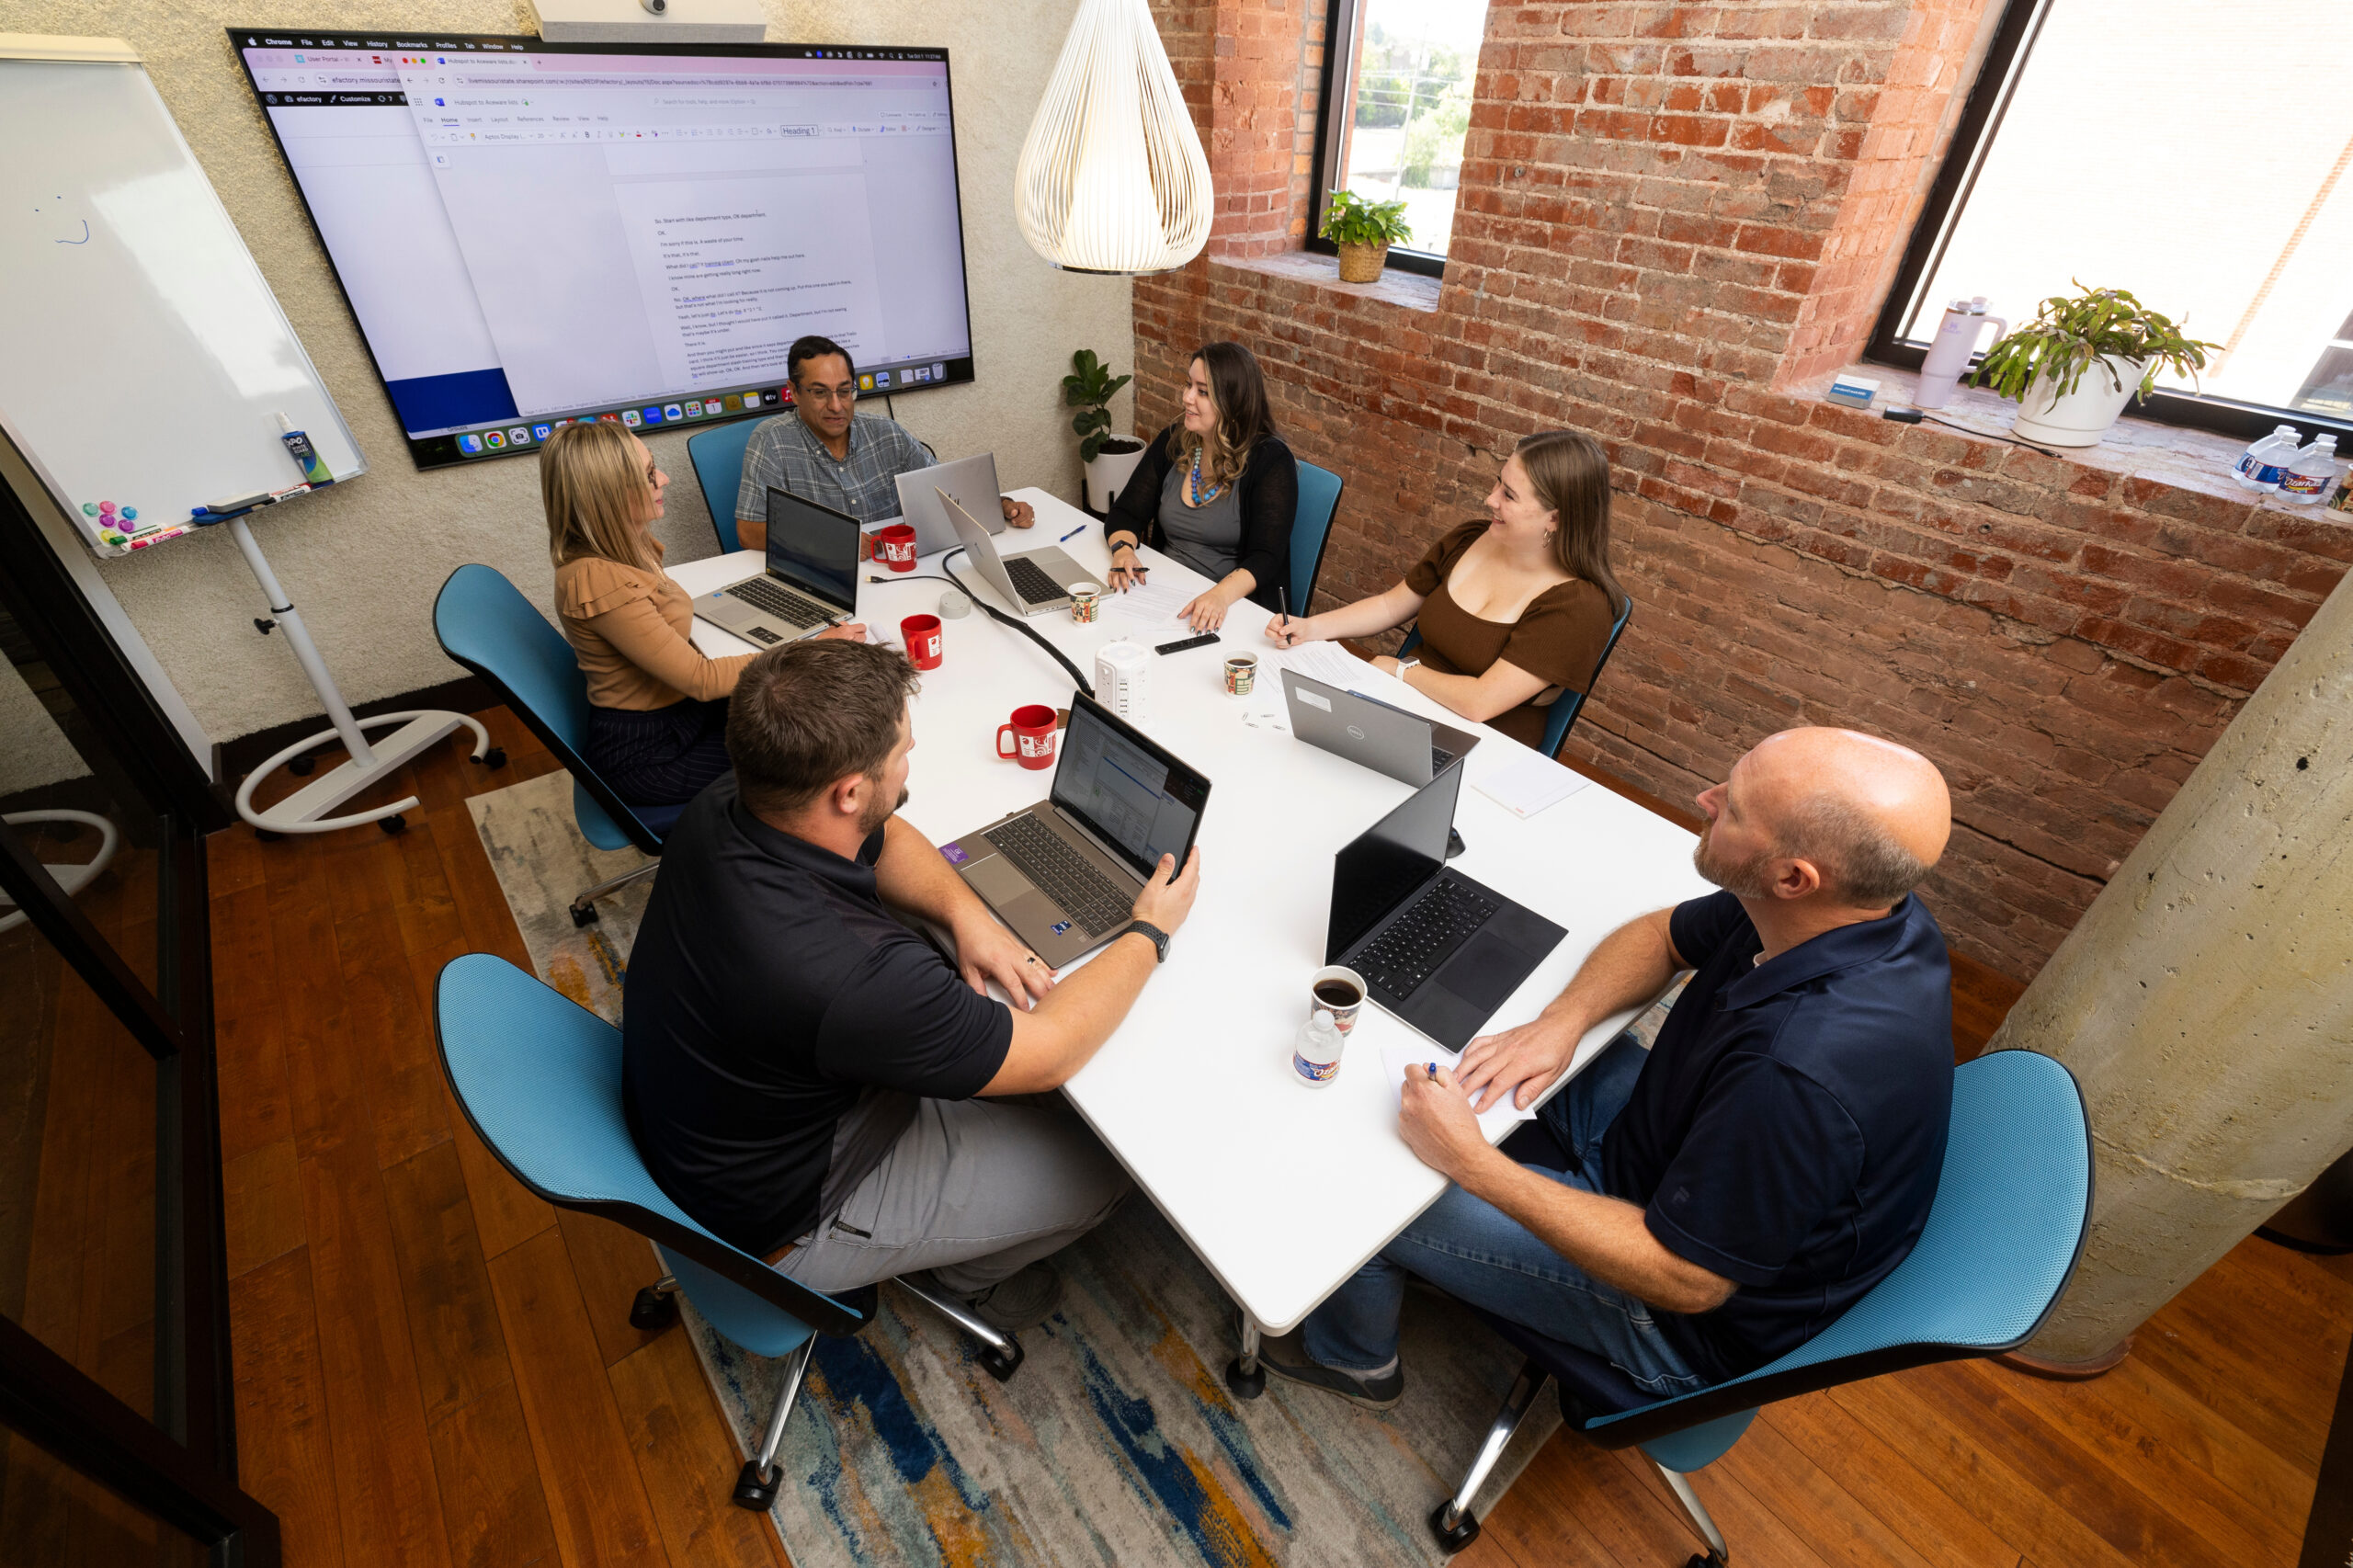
(1435, 948)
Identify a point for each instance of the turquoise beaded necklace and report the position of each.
(1202, 497)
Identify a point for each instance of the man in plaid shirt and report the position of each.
(821, 453)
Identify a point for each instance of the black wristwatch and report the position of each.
(1158, 937)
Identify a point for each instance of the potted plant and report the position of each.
(1364, 231)
(2071, 368)
(1109, 458)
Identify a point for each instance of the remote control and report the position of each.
(1203, 641)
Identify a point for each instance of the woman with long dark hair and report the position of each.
(1216, 489)
(1515, 608)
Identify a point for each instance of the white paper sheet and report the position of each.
(1396, 1055)
(1530, 785)
(1151, 605)
(1326, 662)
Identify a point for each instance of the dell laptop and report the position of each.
(1032, 582)
(811, 582)
(1370, 732)
(1438, 949)
(1064, 873)
(971, 481)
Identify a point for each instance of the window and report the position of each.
(2157, 146)
(1396, 106)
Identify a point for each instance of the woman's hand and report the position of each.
(1206, 613)
(1127, 568)
(847, 631)
(1291, 630)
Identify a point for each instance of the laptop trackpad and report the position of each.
(1486, 971)
(996, 882)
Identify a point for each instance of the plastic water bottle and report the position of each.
(1315, 1055)
(2313, 475)
(2259, 466)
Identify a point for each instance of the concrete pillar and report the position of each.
(2205, 1001)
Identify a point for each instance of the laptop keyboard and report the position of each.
(1439, 759)
(1063, 874)
(763, 595)
(1029, 580)
(1429, 931)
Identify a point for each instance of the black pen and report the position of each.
(1282, 602)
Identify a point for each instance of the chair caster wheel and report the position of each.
(1452, 1538)
(751, 1491)
(584, 914)
(266, 837)
(495, 757)
(393, 826)
(653, 1311)
(1000, 1366)
(1244, 1385)
(302, 767)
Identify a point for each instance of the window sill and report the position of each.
(1409, 290)
(2177, 456)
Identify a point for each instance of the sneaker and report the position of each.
(1288, 1360)
(1021, 1299)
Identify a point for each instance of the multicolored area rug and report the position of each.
(1116, 1441)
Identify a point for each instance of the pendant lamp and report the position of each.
(1112, 178)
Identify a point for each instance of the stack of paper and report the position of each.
(1527, 787)
(1326, 662)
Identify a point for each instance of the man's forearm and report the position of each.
(1604, 1236)
(911, 874)
(1632, 964)
(1062, 1032)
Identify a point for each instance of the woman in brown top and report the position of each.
(1515, 611)
(657, 708)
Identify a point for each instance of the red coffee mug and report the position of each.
(1032, 736)
(895, 547)
(921, 635)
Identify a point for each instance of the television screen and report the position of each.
(532, 233)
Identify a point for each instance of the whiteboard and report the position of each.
(143, 361)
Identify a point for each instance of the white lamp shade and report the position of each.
(1112, 178)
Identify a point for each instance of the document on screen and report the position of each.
(732, 270)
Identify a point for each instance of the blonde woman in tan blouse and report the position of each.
(657, 713)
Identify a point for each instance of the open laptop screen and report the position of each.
(1390, 859)
(814, 548)
(1126, 791)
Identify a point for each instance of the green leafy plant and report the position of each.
(1353, 220)
(2070, 334)
(1090, 387)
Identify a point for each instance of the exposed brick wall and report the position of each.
(1253, 133)
(1664, 210)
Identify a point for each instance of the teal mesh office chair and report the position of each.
(1310, 531)
(484, 622)
(539, 1079)
(718, 456)
(2012, 1207)
(1565, 708)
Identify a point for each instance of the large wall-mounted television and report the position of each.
(531, 232)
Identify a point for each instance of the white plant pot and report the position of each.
(2081, 417)
(1109, 473)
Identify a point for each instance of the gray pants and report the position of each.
(973, 1190)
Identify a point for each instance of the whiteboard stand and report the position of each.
(307, 809)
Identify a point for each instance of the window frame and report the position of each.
(1980, 121)
(1339, 66)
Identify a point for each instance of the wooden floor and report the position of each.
(433, 1368)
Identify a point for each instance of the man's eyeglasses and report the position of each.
(811, 392)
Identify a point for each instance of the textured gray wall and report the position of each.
(364, 562)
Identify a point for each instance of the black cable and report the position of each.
(1990, 434)
(989, 609)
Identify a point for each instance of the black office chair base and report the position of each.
(753, 1490)
(1452, 1537)
(655, 1309)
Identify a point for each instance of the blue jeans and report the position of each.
(1476, 1252)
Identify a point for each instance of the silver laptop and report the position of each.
(1032, 582)
(1064, 873)
(972, 480)
(1367, 731)
(811, 582)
